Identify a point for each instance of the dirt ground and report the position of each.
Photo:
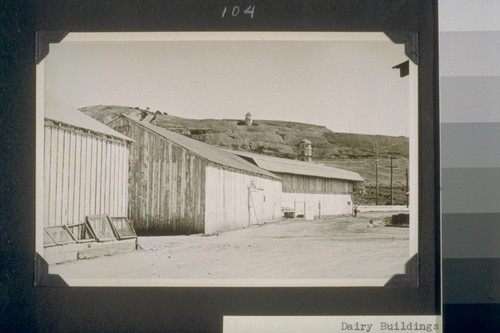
(327, 248)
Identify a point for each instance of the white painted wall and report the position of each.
(331, 204)
(83, 175)
(227, 200)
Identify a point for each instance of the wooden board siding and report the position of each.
(166, 183)
(84, 174)
(308, 184)
(227, 200)
(319, 204)
(322, 196)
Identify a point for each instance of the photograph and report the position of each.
(227, 159)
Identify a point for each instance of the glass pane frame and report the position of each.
(60, 228)
(118, 231)
(86, 231)
(101, 227)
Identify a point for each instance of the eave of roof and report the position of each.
(80, 120)
(208, 152)
(288, 166)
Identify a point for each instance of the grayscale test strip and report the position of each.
(469, 44)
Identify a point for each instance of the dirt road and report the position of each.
(328, 248)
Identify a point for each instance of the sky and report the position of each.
(347, 86)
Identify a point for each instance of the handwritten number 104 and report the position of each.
(235, 11)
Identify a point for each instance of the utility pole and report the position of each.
(406, 189)
(392, 191)
(376, 151)
(376, 172)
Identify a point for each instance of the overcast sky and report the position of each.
(347, 86)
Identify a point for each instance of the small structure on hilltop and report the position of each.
(178, 185)
(248, 119)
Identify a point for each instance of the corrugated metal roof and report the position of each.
(206, 151)
(284, 165)
(79, 119)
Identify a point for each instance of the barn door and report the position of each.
(255, 204)
(300, 208)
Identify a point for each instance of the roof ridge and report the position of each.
(81, 120)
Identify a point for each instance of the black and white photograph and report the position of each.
(227, 159)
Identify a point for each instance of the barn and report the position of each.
(310, 189)
(85, 176)
(178, 185)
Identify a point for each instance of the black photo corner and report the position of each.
(32, 300)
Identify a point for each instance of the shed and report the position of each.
(309, 188)
(85, 174)
(86, 168)
(178, 185)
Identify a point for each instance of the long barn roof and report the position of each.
(79, 119)
(284, 165)
(206, 151)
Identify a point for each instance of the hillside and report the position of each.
(281, 138)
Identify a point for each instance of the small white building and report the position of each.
(85, 174)
(86, 168)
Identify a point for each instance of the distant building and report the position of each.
(178, 185)
(248, 119)
(86, 168)
(310, 189)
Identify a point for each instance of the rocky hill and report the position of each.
(276, 138)
(281, 138)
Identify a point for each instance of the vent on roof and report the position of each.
(305, 150)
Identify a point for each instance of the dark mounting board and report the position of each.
(202, 309)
